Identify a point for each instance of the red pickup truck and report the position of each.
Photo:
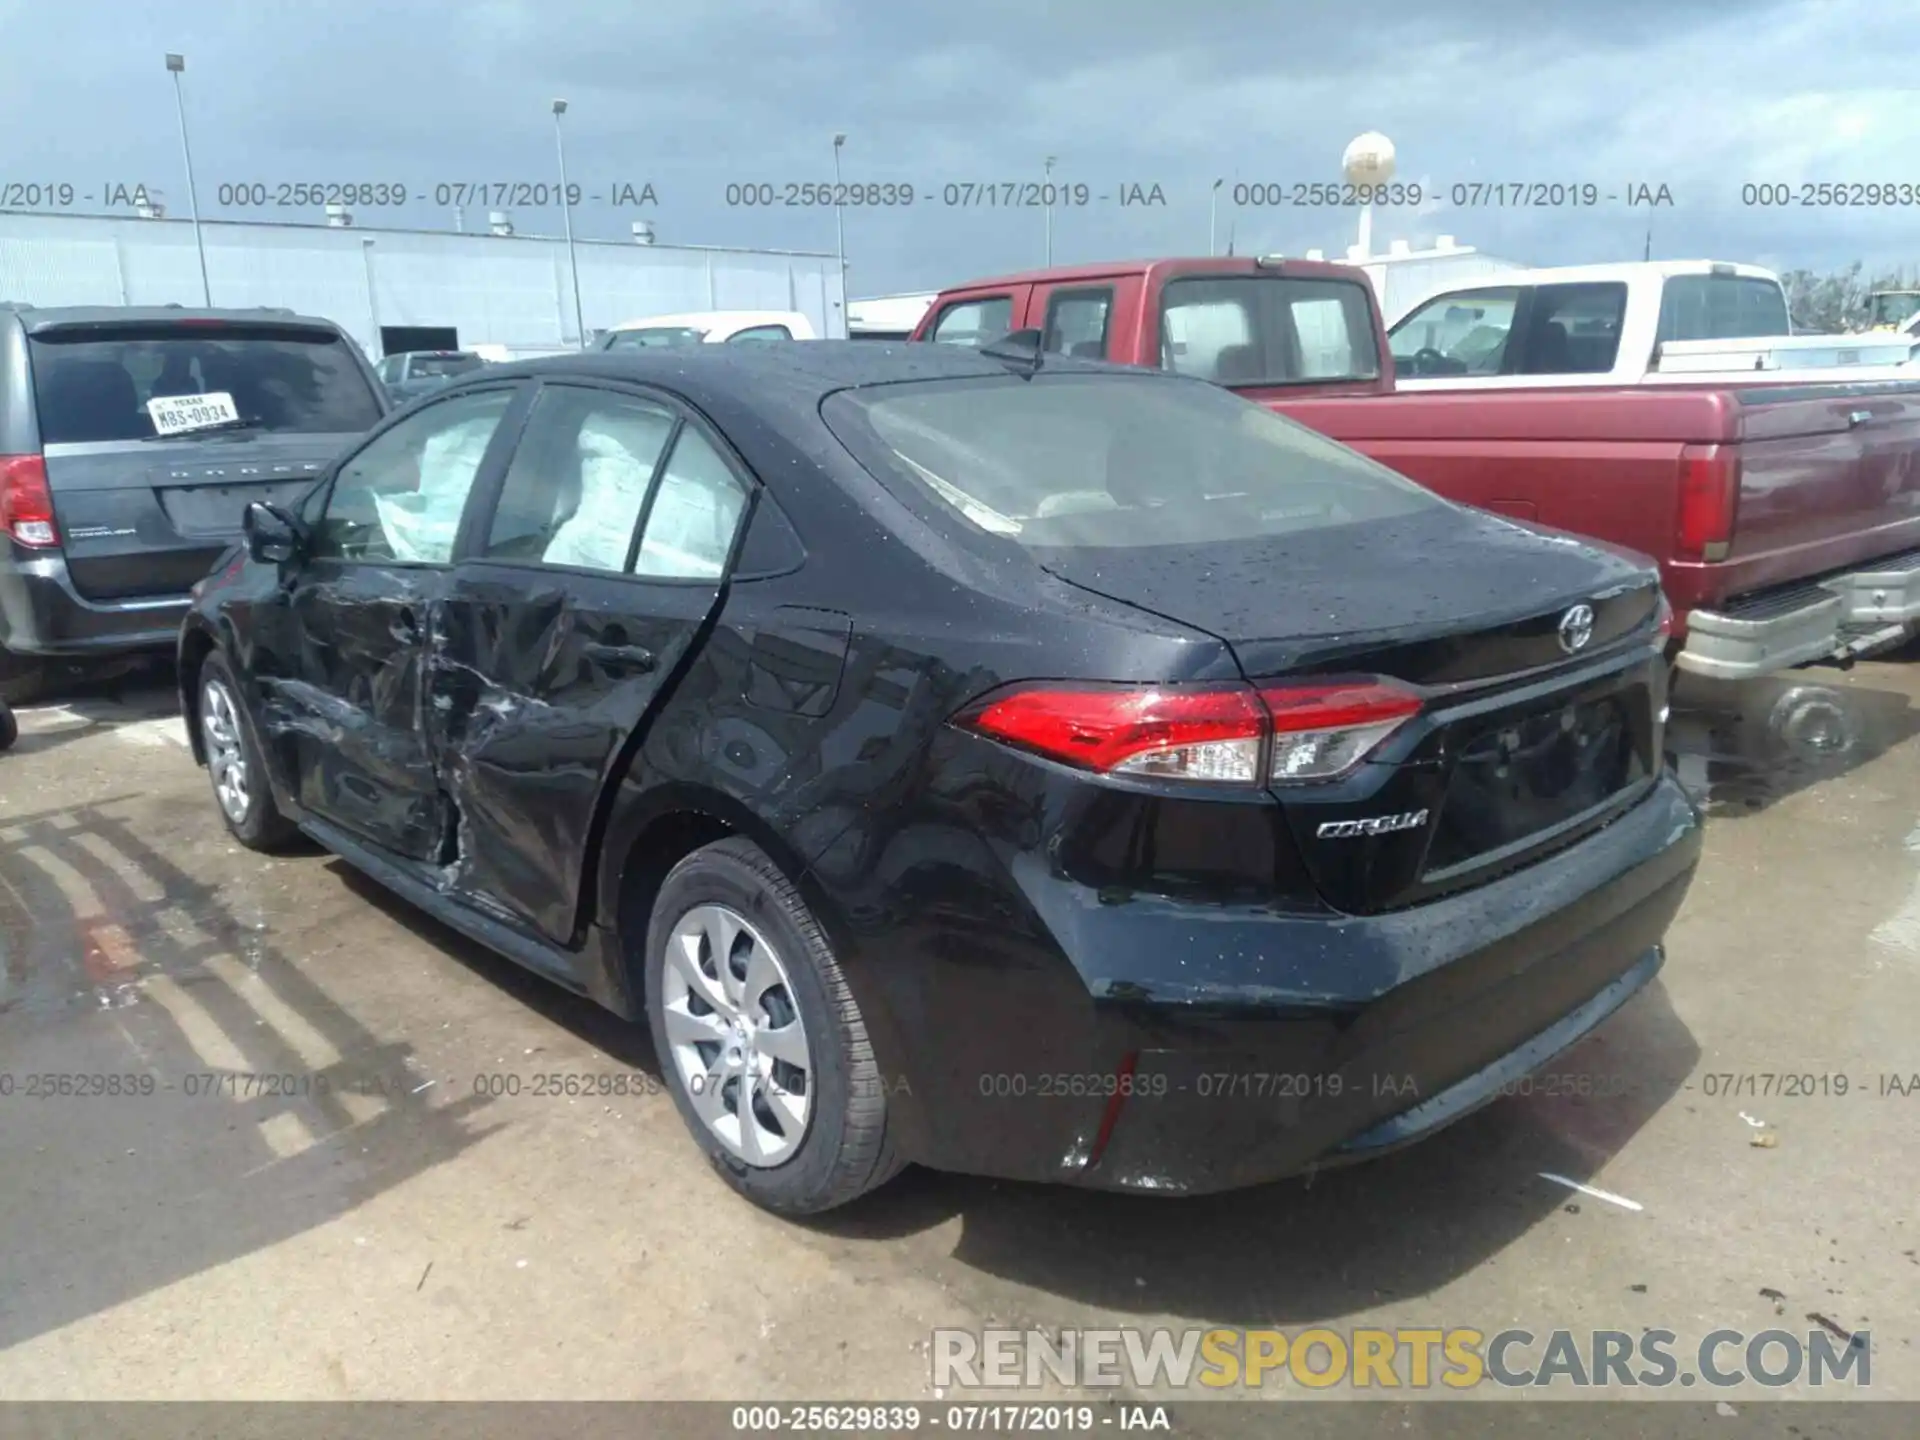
(1786, 519)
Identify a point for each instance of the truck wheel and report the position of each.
(760, 1039)
(234, 762)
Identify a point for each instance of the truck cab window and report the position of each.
(1464, 333)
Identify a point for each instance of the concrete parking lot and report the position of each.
(413, 1213)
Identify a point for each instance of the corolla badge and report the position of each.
(1372, 825)
(1576, 628)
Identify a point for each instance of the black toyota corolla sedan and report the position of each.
(1012, 764)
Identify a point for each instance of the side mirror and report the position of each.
(273, 536)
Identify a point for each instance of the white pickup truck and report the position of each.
(1677, 322)
(710, 327)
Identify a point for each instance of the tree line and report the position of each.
(1837, 302)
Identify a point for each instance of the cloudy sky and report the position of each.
(1700, 96)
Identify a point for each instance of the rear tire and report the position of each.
(234, 763)
(774, 1075)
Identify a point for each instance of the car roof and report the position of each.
(819, 367)
(46, 317)
(780, 383)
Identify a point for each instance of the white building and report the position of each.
(398, 290)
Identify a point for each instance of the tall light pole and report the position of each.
(176, 64)
(839, 228)
(566, 214)
(373, 297)
(1048, 197)
(1213, 216)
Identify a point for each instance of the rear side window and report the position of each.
(656, 337)
(579, 479)
(1574, 329)
(94, 385)
(1108, 461)
(694, 514)
(974, 322)
(761, 335)
(1721, 307)
(1267, 330)
(1077, 323)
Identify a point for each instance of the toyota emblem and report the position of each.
(1576, 628)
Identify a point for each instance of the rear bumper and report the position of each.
(1343, 1037)
(1833, 616)
(42, 614)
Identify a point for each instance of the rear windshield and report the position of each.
(444, 364)
(1267, 330)
(1106, 461)
(652, 337)
(94, 385)
(1721, 307)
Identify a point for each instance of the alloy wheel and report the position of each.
(226, 757)
(736, 1037)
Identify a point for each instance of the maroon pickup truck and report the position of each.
(1786, 519)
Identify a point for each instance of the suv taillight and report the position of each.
(1709, 497)
(26, 504)
(1278, 734)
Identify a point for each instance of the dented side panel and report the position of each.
(540, 679)
(346, 712)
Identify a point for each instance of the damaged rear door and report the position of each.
(591, 577)
(347, 706)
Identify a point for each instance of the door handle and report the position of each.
(630, 657)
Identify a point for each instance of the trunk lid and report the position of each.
(1523, 744)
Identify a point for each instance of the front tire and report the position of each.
(759, 1037)
(235, 765)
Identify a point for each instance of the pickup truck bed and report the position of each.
(1785, 516)
(1786, 520)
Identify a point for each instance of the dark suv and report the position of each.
(131, 440)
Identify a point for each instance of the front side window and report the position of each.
(1107, 461)
(1464, 333)
(1267, 329)
(974, 322)
(579, 479)
(400, 498)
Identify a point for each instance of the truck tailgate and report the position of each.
(1829, 477)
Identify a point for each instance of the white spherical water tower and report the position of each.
(1368, 160)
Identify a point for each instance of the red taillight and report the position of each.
(1709, 496)
(26, 504)
(1322, 731)
(1664, 621)
(1212, 734)
(1237, 735)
